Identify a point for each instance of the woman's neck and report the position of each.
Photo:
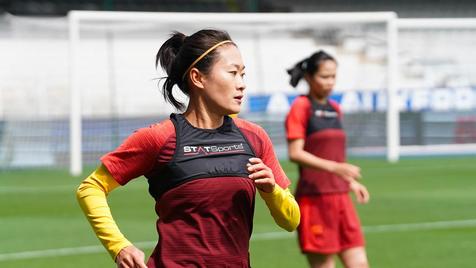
(201, 116)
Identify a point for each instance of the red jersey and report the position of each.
(198, 177)
(320, 127)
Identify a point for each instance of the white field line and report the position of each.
(39, 189)
(46, 189)
(422, 226)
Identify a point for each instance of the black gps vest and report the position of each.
(203, 154)
(324, 116)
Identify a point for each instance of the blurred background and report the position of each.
(404, 8)
(109, 61)
(118, 82)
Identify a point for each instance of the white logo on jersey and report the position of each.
(324, 113)
(213, 149)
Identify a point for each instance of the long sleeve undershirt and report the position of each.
(91, 196)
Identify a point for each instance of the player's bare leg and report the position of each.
(354, 258)
(320, 260)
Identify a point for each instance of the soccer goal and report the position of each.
(112, 71)
(72, 89)
(113, 77)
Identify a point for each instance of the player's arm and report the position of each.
(91, 195)
(298, 155)
(281, 204)
(348, 172)
(270, 180)
(283, 207)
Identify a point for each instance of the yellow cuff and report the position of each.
(116, 248)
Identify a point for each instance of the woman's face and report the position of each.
(223, 85)
(323, 81)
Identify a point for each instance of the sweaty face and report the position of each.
(223, 85)
(323, 81)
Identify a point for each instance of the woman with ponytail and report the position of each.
(316, 142)
(203, 167)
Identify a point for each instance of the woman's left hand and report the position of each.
(261, 175)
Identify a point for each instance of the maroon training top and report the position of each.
(198, 177)
(320, 127)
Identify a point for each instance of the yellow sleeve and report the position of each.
(91, 196)
(283, 207)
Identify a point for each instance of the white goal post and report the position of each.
(76, 18)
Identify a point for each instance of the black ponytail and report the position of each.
(166, 56)
(308, 66)
(297, 72)
(179, 52)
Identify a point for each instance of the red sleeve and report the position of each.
(138, 154)
(263, 148)
(297, 118)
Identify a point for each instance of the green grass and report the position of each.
(38, 211)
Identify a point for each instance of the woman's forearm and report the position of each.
(283, 207)
(91, 195)
(297, 154)
(307, 159)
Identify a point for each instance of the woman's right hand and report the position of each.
(360, 191)
(130, 257)
(346, 171)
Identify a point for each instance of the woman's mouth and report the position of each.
(238, 98)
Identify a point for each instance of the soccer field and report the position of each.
(421, 214)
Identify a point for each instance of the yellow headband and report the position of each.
(203, 55)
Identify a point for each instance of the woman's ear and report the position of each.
(197, 78)
(307, 77)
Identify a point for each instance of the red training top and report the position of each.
(198, 177)
(320, 127)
